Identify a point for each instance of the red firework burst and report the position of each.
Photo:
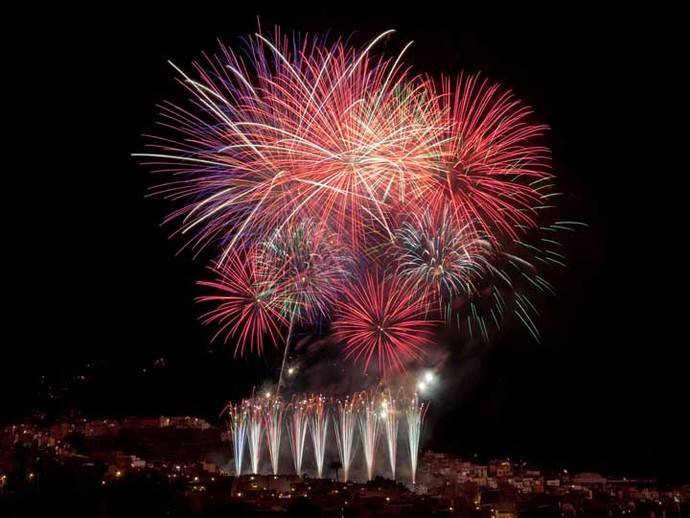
(245, 304)
(494, 169)
(383, 316)
(316, 130)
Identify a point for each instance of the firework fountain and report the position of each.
(318, 426)
(237, 420)
(414, 414)
(297, 424)
(255, 430)
(368, 430)
(374, 414)
(389, 416)
(345, 421)
(273, 422)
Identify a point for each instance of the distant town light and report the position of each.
(428, 376)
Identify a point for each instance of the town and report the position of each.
(183, 464)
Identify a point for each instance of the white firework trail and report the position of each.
(414, 412)
(318, 426)
(273, 422)
(297, 431)
(255, 431)
(368, 430)
(344, 421)
(389, 416)
(237, 418)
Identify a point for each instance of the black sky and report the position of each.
(95, 279)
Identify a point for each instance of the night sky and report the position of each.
(96, 289)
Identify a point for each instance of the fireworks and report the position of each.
(298, 162)
(333, 190)
(374, 415)
(414, 414)
(345, 420)
(383, 318)
(442, 259)
(255, 431)
(491, 160)
(298, 419)
(368, 431)
(237, 417)
(389, 416)
(308, 266)
(245, 303)
(295, 128)
(273, 422)
(318, 426)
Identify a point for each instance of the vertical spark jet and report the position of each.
(389, 415)
(318, 426)
(344, 421)
(255, 430)
(237, 420)
(273, 421)
(414, 412)
(368, 430)
(297, 431)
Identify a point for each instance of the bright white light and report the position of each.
(429, 376)
(291, 371)
(421, 385)
(268, 394)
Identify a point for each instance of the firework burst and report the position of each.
(493, 162)
(381, 318)
(294, 128)
(442, 260)
(245, 303)
(309, 265)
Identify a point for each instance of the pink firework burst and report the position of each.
(383, 318)
(493, 167)
(245, 304)
(309, 266)
(291, 128)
